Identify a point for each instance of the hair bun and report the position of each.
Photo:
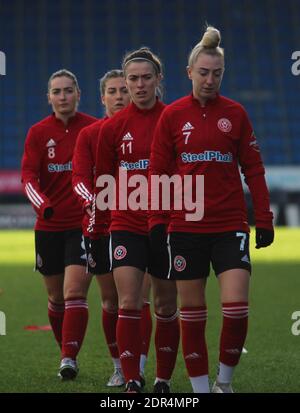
(211, 38)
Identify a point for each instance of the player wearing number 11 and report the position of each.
(124, 144)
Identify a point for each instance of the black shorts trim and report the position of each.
(160, 261)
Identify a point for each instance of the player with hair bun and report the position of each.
(210, 135)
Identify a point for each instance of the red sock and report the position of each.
(129, 342)
(234, 332)
(56, 318)
(74, 326)
(146, 328)
(193, 321)
(109, 323)
(167, 336)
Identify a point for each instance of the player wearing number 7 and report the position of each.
(211, 135)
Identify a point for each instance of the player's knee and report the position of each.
(130, 303)
(110, 305)
(56, 298)
(72, 294)
(165, 305)
(55, 294)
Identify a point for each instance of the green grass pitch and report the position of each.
(29, 360)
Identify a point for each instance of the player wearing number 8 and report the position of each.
(211, 135)
(47, 180)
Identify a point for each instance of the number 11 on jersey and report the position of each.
(126, 147)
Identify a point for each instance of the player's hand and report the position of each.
(264, 237)
(48, 212)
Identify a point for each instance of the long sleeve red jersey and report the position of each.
(211, 141)
(84, 161)
(124, 142)
(47, 171)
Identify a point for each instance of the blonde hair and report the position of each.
(209, 44)
(112, 74)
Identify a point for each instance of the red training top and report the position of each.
(47, 171)
(124, 142)
(211, 141)
(84, 160)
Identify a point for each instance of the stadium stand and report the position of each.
(90, 37)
